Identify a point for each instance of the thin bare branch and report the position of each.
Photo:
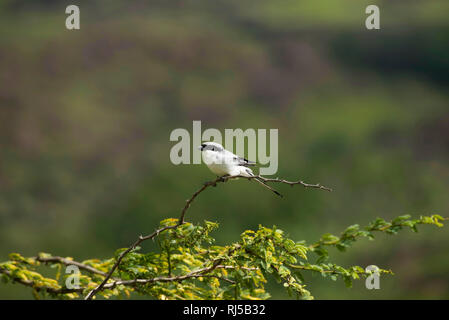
(291, 183)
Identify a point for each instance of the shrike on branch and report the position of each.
(224, 163)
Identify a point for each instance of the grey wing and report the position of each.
(235, 159)
(244, 162)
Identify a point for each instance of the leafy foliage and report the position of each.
(189, 266)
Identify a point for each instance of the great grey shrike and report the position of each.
(224, 163)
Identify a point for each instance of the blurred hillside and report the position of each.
(85, 119)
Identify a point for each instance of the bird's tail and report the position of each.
(268, 187)
(247, 172)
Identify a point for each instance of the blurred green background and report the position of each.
(85, 119)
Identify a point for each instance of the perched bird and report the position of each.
(224, 163)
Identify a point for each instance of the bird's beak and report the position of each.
(200, 148)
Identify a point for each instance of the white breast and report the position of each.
(215, 163)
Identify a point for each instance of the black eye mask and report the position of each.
(210, 147)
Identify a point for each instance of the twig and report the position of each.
(292, 183)
(189, 201)
(333, 271)
(68, 262)
(258, 177)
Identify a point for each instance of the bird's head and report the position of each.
(212, 146)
